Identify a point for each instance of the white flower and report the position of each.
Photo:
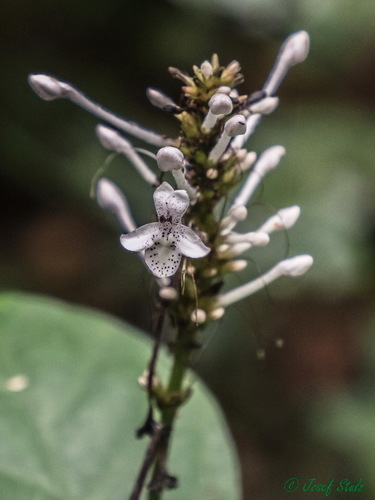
(166, 241)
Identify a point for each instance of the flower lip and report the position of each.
(165, 242)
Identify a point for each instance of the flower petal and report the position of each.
(170, 205)
(190, 244)
(163, 260)
(142, 238)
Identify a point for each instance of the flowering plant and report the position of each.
(192, 247)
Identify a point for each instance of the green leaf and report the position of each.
(70, 404)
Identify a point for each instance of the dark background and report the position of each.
(306, 410)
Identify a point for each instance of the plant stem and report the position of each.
(160, 478)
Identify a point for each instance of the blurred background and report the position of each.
(308, 409)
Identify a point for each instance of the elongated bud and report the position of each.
(207, 70)
(235, 125)
(158, 99)
(198, 316)
(267, 161)
(293, 51)
(295, 266)
(296, 47)
(234, 266)
(169, 158)
(283, 219)
(48, 87)
(219, 104)
(265, 106)
(109, 197)
(248, 161)
(256, 238)
(113, 140)
(235, 214)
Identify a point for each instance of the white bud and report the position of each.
(296, 47)
(265, 106)
(220, 104)
(113, 140)
(198, 316)
(232, 68)
(169, 158)
(295, 266)
(48, 87)
(168, 293)
(248, 161)
(234, 266)
(283, 219)
(207, 70)
(217, 313)
(158, 99)
(212, 173)
(235, 214)
(109, 138)
(234, 250)
(235, 125)
(224, 89)
(267, 161)
(279, 343)
(109, 197)
(256, 239)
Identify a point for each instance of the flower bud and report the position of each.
(220, 104)
(169, 158)
(48, 87)
(198, 316)
(296, 47)
(235, 125)
(159, 99)
(207, 70)
(265, 106)
(295, 266)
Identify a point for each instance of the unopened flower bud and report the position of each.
(296, 47)
(283, 219)
(235, 125)
(198, 316)
(207, 70)
(169, 158)
(159, 99)
(48, 87)
(234, 266)
(109, 197)
(168, 293)
(265, 106)
(224, 89)
(220, 104)
(217, 313)
(295, 266)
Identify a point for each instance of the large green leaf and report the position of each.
(70, 405)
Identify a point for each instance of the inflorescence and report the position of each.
(204, 164)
